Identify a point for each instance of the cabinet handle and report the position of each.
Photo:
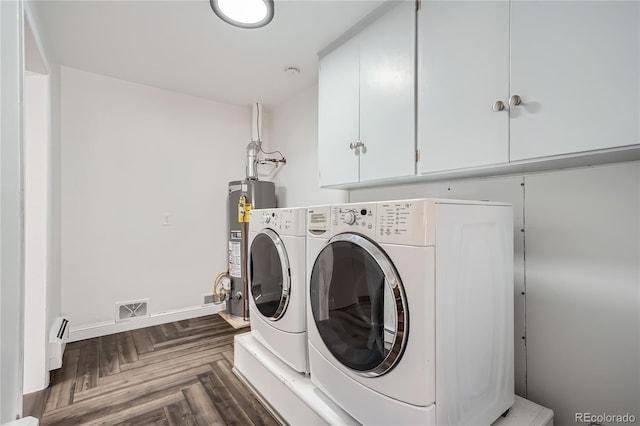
(355, 145)
(498, 106)
(515, 100)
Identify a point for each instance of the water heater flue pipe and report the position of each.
(252, 160)
(256, 122)
(256, 141)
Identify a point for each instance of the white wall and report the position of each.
(582, 272)
(131, 154)
(37, 209)
(293, 129)
(11, 213)
(583, 290)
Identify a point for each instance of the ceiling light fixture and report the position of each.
(244, 13)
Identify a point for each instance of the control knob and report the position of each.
(266, 218)
(349, 218)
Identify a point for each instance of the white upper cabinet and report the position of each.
(366, 112)
(387, 95)
(338, 115)
(575, 65)
(463, 70)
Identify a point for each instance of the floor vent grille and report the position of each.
(130, 310)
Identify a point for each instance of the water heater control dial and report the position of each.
(349, 218)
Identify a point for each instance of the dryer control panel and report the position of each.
(283, 221)
(360, 218)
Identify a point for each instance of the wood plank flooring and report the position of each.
(171, 374)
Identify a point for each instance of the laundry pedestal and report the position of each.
(526, 413)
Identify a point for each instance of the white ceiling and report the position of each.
(182, 46)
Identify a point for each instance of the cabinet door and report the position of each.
(575, 64)
(338, 115)
(463, 69)
(387, 95)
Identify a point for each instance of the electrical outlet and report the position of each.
(209, 298)
(167, 219)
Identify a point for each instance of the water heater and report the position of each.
(261, 195)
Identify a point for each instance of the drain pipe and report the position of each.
(245, 278)
(244, 209)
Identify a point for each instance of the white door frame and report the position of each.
(11, 210)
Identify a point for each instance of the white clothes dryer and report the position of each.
(410, 310)
(276, 275)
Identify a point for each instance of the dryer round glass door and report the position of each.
(359, 305)
(269, 275)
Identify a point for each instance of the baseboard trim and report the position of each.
(111, 327)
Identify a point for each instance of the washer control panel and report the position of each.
(402, 222)
(360, 218)
(318, 222)
(394, 218)
(393, 222)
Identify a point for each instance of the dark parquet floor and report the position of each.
(171, 374)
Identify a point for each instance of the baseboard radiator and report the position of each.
(58, 338)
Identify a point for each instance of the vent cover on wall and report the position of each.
(129, 310)
(58, 338)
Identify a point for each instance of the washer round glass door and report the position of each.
(358, 305)
(269, 277)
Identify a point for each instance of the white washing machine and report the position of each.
(276, 274)
(410, 310)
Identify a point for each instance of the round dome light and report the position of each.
(244, 13)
